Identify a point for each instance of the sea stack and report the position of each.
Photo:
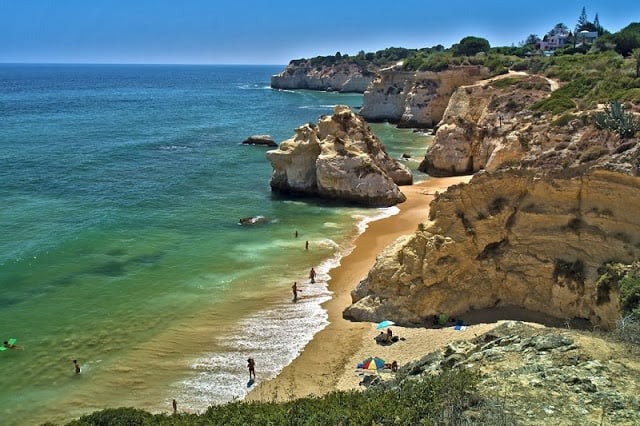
(340, 159)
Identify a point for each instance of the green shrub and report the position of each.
(429, 400)
(505, 82)
(626, 280)
(629, 287)
(555, 104)
(630, 95)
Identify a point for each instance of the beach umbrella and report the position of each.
(385, 324)
(372, 364)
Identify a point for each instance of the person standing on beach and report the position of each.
(175, 406)
(76, 364)
(306, 245)
(294, 289)
(312, 275)
(296, 234)
(251, 364)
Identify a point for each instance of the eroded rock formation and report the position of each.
(516, 237)
(339, 158)
(412, 99)
(341, 77)
(486, 125)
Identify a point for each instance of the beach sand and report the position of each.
(328, 361)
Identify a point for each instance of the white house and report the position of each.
(587, 37)
(553, 42)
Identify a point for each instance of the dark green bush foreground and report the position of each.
(434, 399)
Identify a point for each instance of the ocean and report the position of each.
(121, 188)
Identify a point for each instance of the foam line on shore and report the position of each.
(332, 348)
(274, 336)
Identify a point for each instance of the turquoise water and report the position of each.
(120, 193)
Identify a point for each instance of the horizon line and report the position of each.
(138, 63)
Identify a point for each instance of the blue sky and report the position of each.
(271, 32)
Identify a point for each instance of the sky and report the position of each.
(272, 31)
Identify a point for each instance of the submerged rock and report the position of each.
(252, 220)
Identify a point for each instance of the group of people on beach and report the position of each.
(386, 338)
(312, 274)
(294, 288)
(251, 364)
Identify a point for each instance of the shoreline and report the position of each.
(325, 362)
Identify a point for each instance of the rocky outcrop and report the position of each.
(523, 238)
(339, 158)
(414, 99)
(341, 76)
(493, 125)
(253, 220)
(261, 140)
(532, 376)
(485, 125)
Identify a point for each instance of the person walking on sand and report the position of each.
(76, 365)
(312, 275)
(296, 234)
(251, 365)
(294, 289)
(175, 406)
(306, 245)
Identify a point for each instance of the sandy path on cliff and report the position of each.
(328, 358)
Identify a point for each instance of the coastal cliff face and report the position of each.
(487, 124)
(342, 77)
(414, 99)
(511, 238)
(339, 158)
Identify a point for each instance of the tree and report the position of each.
(596, 24)
(582, 20)
(470, 45)
(560, 28)
(627, 39)
(532, 39)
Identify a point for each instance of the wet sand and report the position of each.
(328, 361)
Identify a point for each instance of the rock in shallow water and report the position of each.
(262, 140)
(341, 159)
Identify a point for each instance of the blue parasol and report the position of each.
(385, 324)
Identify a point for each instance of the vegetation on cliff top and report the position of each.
(430, 400)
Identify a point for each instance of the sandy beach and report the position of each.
(328, 362)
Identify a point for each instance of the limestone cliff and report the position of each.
(486, 125)
(339, 158)
(414, 99)
(517, 237)
(341, 77)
